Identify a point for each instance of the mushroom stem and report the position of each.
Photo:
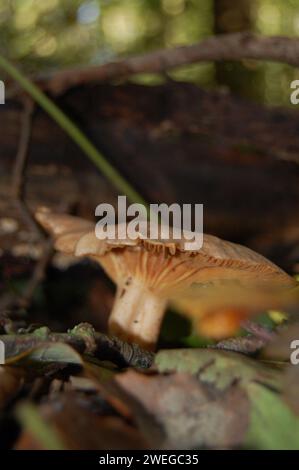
(137, 315)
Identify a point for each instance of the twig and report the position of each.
(37, 275)
(259, 337)
(19, 171)
(18, 196)
(236, 46)
(83, 339)
(21, 157)
(259, 331)
(12, 301)
(246, 345)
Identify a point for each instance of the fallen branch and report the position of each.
(83, 339)
(259, 331)
(237, 46)
(259, 337)
(248, 345)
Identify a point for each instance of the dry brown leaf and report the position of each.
(177, 411)
(80, 428)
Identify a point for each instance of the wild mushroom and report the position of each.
(219, 313)
(147, 272)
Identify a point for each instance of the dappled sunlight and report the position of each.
(51, 34)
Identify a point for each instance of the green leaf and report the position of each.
(272, 423)
(219, 368)
(272, 426)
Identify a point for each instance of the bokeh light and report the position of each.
(52, 34)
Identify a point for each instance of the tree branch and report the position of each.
(236, 46)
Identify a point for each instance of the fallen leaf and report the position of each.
(11, 382)
(40, 358)
(81, 429)
(218, 368)
(273, 425)
(272, 421)
(177, 411)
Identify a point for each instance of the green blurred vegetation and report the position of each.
(46, 35)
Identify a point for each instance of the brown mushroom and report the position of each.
(218, 313)
(147, 272)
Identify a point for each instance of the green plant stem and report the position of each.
(74, 132)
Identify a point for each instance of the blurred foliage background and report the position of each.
(46, 35)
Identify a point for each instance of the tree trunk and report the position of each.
(232, 17)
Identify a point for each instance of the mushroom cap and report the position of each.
(163, 265)
(218, 314)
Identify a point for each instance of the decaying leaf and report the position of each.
(38, 348)
(177, 411)
(46, 358)
(219, 368)
(72, 425)
(272, 422)
(57, 353)
(11, 382)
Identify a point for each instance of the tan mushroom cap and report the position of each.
(161, 266)
(218, 314)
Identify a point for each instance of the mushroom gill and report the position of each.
(147, 272)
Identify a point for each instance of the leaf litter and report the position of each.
(65, 393)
